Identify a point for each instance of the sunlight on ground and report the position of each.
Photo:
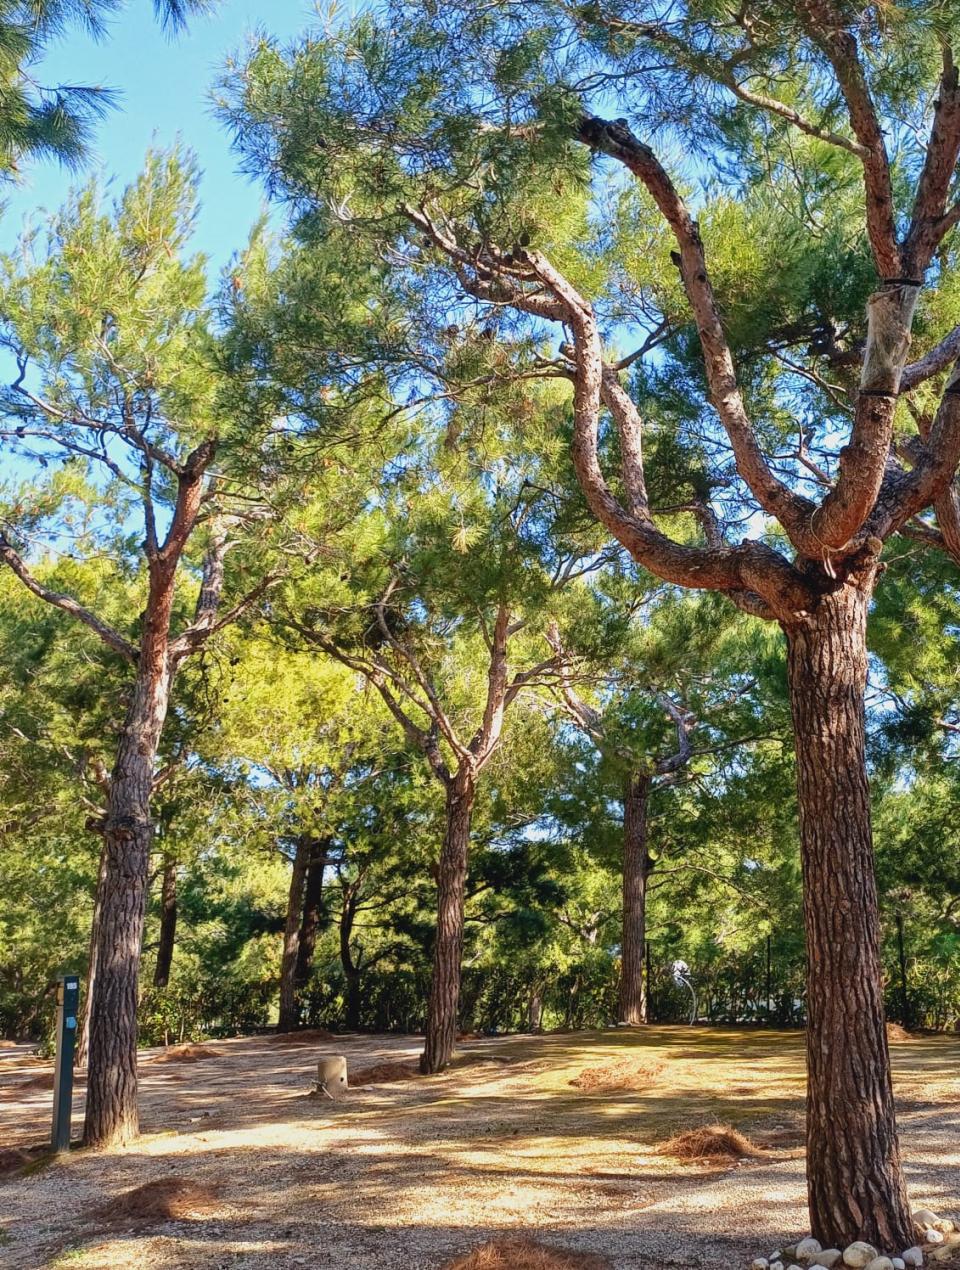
(410, 1174)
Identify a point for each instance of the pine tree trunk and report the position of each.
(83, 1041)
(448, 952)
(111, 1113)
(168, 923)
(289, 1006)
(312, 914)
(636, 869)
(854, 1179)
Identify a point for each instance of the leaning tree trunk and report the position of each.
(111, 1114)
(312, 914)
(636, 870)
(168, 923)
(444, 998)
(854, 1179)
(289, 1006)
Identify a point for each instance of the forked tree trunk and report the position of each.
(168, 923)
(111, 1114)
(854, 1179)
(289, 1007)
(312, 914)
(444, 1000)
(636, 870)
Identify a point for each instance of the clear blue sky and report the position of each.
(164, 85)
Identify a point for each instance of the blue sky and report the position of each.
(164, 85)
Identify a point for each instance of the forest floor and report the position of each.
(406, 1175)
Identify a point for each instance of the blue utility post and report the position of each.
(68, 995)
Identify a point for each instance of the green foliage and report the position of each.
(40, 121)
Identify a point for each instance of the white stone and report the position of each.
(859, 1254)
(913, 1256)
(925, 1217)
(827, 1257)
(776, 1265)
(808, 1248)
(880, 1263)
(898, 1263)
(932, 1236)
(760, 1263)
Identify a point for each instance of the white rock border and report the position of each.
(939, 1240)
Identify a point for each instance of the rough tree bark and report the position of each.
(442, 1007)
(111, 1116)
(111, 1111)
(636, 870)
(851, 1128)
(289, 1006)
(168, 923)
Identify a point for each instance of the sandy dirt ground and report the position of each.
(404, 1176)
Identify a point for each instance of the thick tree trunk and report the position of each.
(312, 914)
(289, 1006)
(168, 923)
(636, 870)
(451, 885)
(83, 1041)
(111, 1114)
(854, 1179)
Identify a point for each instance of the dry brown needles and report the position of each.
(525, 1254)
(710, 1144)
(164, 1199)
(619, 1073)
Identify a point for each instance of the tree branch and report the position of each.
(113, 639)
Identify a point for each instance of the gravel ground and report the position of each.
(409, 1174)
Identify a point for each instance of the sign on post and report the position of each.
(68, 995)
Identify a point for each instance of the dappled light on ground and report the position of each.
(417, 1172)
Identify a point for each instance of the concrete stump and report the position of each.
(332, 1075)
